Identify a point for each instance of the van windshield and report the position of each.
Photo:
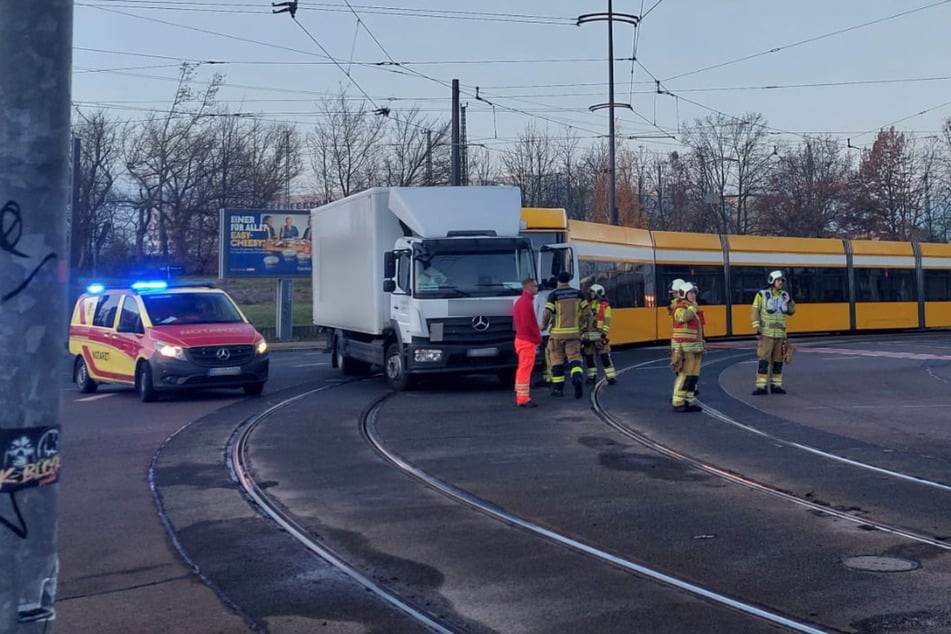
(190, 308)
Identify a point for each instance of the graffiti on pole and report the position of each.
(11, 229)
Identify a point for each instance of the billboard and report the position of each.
(264, 243)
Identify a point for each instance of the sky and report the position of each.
(842, 68)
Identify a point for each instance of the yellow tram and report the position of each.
(839, 285)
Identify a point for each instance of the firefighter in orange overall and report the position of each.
(596, 336)
(686, 348)
(565, 318)
(770, 308)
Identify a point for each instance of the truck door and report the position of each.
(399, 298)
(552, 260)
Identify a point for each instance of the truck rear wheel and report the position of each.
(394, 369)
(347, 365)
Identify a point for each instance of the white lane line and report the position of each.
(308, 365)
(95, 397)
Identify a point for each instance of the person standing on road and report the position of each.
(527, 338)
(565, 315)
(770, 308)
(686, 348)
(596, 341)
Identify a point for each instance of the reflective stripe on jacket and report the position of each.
(564, 312)
(686, 328)
(599, 320)
(770, 308)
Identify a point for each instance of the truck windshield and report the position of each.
(469, 273)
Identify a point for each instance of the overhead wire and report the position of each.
(808, 40)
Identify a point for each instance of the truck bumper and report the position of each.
(460, 358)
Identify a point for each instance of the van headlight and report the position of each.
(170, 351)
(262, 347)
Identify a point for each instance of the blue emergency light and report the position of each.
(157, 285)
(96, 288)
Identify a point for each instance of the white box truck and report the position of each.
(421, 280)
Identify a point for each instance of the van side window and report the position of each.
(106, 311)
(129, 319)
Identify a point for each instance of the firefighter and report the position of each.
(686, 348)
(674, 297)
(770, 308)
(596, 336)
(565, 317)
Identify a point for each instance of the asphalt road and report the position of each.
(852, 402)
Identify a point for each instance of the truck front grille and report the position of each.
(475, 330)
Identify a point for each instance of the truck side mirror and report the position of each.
(389, 286)
(389, 264)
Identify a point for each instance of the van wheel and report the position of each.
(348, 366)
(143, 383)
(394, 369)
(253, 389)
(84, 382)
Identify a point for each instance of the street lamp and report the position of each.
(610, 16)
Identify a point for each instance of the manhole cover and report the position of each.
(874, 563)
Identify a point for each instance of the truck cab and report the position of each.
(444, 267)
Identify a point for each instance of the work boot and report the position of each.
(612, 381)
(558, 391)
(777, 390)
(590, 380)
(579, 387)
(528, 404)
(692, 407)
(680, 408)
(760, 391)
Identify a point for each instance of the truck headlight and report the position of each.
(427, 355)
(168, 350)
(261, 347)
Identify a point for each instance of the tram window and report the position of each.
(709, 279)
(746, 282)
(885, 285)
(807, 284)
(815, 284)
(937, 285)
(625, 283)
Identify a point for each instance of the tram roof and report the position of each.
(775, 244)
(610, 234)
(545, 218)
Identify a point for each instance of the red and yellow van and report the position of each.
(162, 338)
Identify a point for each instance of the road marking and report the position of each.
(95, 398)
(309, 365)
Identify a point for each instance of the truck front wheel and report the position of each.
(394, 368)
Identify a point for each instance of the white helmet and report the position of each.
(776, 275)
(675, 286)
(685, 288)
(598, 290)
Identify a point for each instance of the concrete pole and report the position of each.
(35, 67)
(455, 160)
(612, 183)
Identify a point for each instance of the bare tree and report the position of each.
(345, 146)
(806, 192)
(531, 166)
(100, 166)
(730, 162)
(886, 195)
(417, 150)
(151, 159)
